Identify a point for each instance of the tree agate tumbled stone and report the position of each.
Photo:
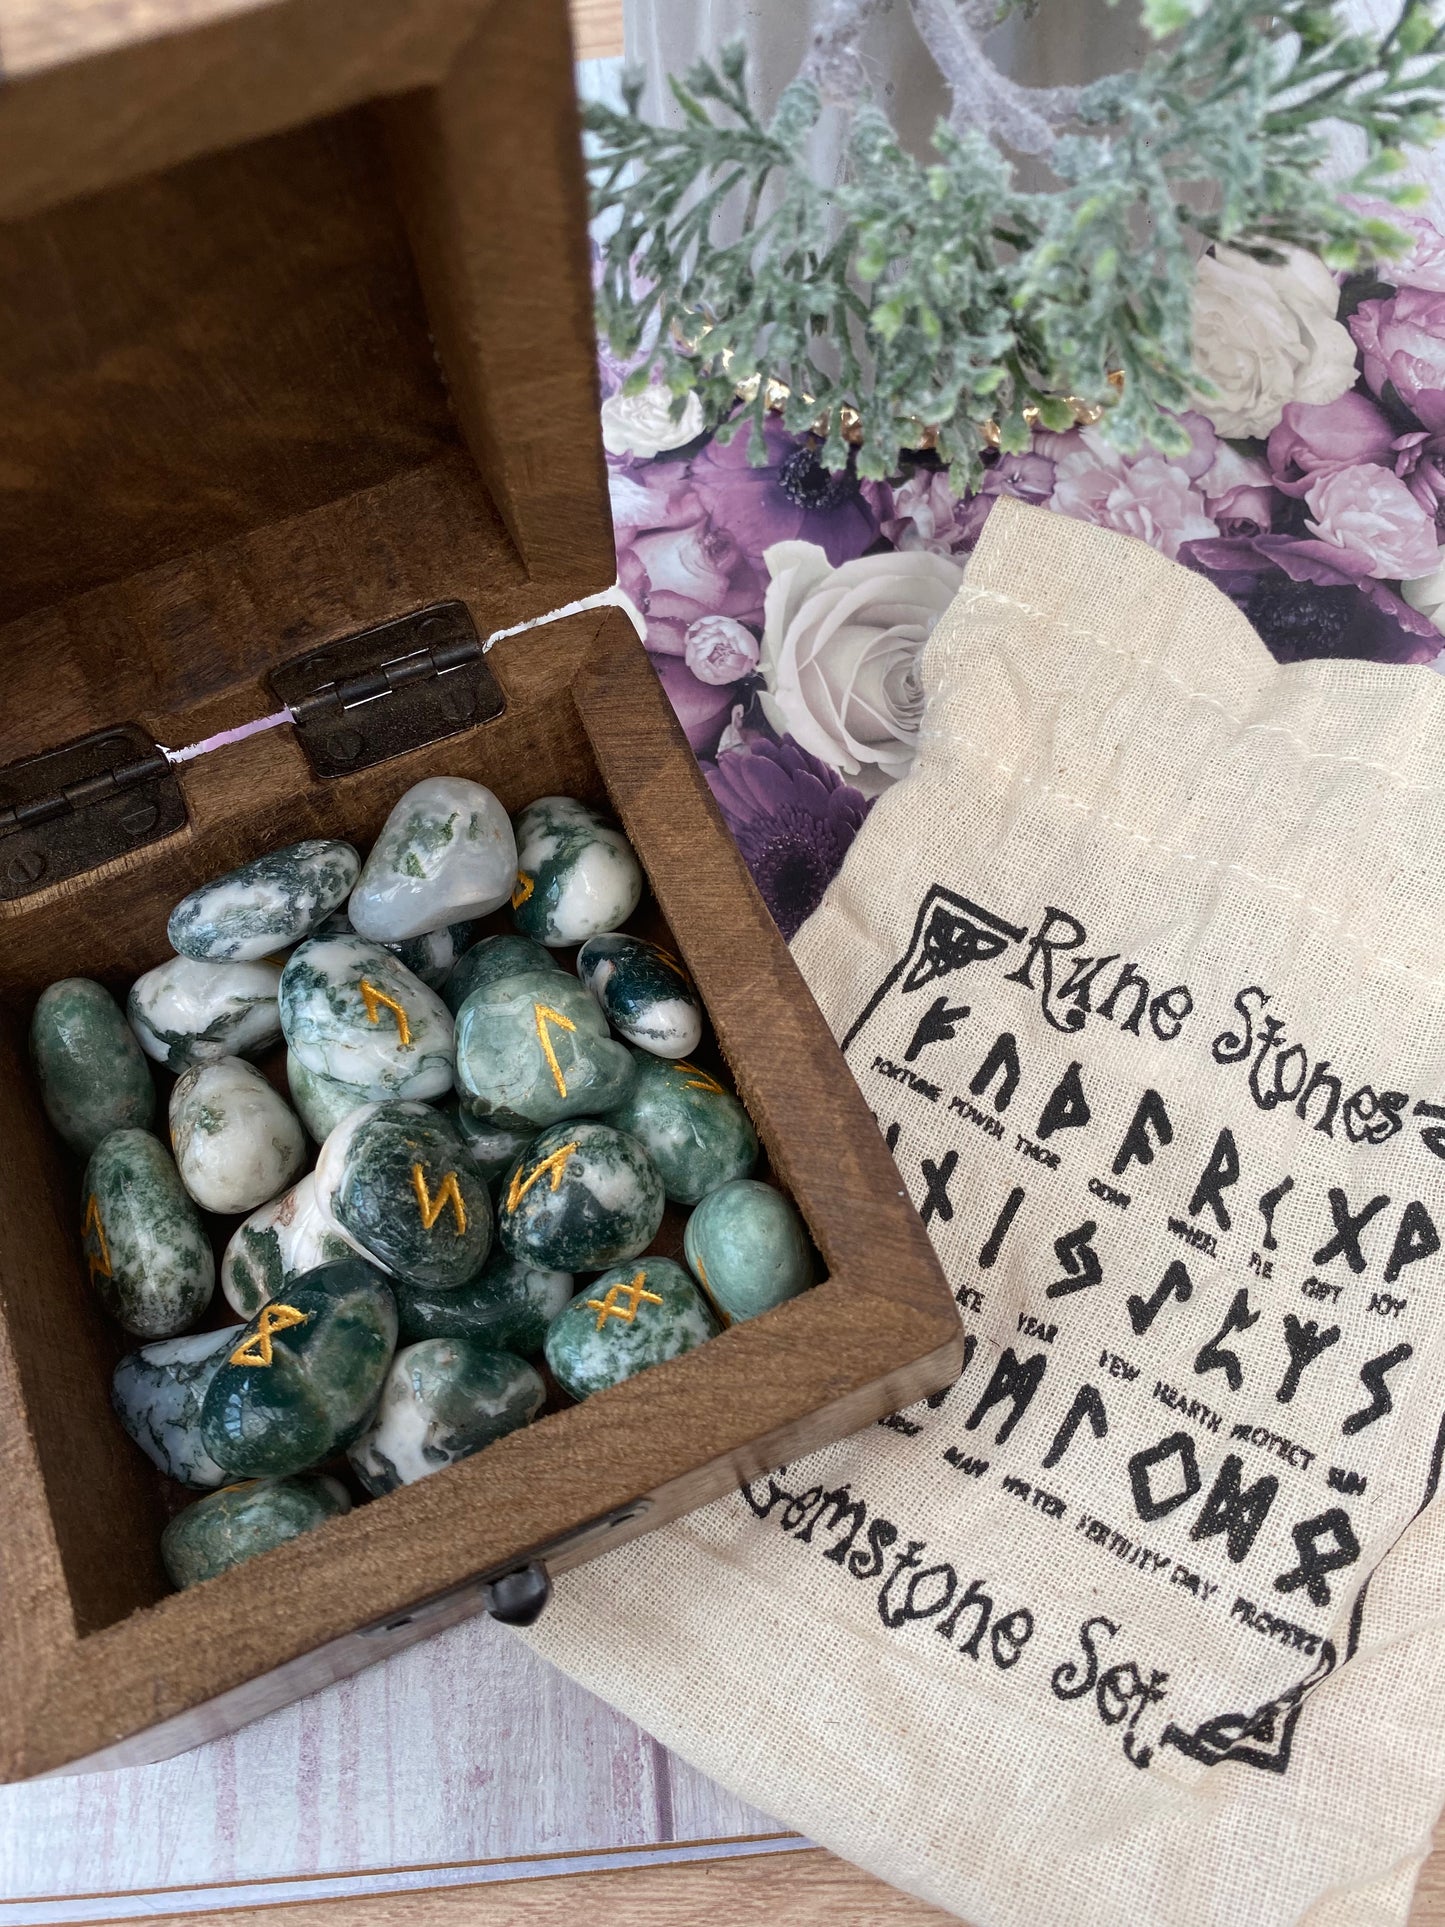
(351, 1012)
(304, 1374)
(489, 961)
(695, 1132)
(227, 1527)
(444, 1399)
(185, 1012)
(635, 1315)
(508, 1305)
(494, 1148)
(581, 1196)
(321, 1102)
(266, 905)
(157, 1394)
(236, 1141)
(144, 1246)
(576, 873)
(445, 854)
(93, 1075)
(398, 1181)
(748, 1246)
(645, 993)
(431, 956)
(536, 1047)
(280, 1240)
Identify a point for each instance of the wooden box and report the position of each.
(295, 344)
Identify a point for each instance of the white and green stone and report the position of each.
(266, 905)
(494, 1147)
(431, 957)
(144, 1245)
(227, 1527)
(185, 1012)
(633, 1316)
(508, 1305)
(311, 1369)
(537, 1048)
(236, 1141)
(749, 1248)
(93, 1076)
(280, 1241)
(581, 1196)
(506, 955)
(353, 1013)
(321, 1102)
(397, 1180)
(576, 872)
(696, 1133)
(444, 1399)
(446, 854)
(645, 993)
(157, 1393)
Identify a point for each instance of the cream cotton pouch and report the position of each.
(1142, 970)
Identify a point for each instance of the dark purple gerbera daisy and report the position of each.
(794, 820)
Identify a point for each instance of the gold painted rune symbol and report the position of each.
(98, 1262)
(608, 1307)
(545, 1016)
(256, 1350)
(374, 1000)
(525, 886)
(556, 1164)
(697, 1080)
(432, 1207)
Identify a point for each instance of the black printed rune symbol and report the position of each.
(958, 934)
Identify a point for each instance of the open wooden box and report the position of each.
(296, 344)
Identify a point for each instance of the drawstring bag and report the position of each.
(1143, 1620)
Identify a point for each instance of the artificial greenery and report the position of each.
(947, 294)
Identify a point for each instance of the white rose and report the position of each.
(1427, 593)
(841, 650)
(1267, 335)
(642, 424)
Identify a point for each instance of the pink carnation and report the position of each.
(1146, 495)
(1371, 517)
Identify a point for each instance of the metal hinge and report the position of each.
(388, 690)
(70, 809)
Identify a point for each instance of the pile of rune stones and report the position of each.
(484, 1138)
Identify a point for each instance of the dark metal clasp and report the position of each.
(74, 808)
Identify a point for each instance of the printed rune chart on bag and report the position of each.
(1202, 1257)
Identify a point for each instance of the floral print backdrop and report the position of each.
(786, 608)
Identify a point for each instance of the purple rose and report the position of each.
(794, 820)
(1371, 517)
(718, 649)
(792, 497)
(1238, 493)
(673, 561)
(1313, 438)
(1423, 263)
(1402, 343)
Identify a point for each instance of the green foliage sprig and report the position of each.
(945, 294)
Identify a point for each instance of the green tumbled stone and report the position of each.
(633, 1316)
(145, 1248)
(185, 1012)
(431, 957)
(352, 1012)
(749, 1247)
(508, 1305)
(576, 872)
(582, 1196)
(312, 1367)
(489, 961)
(444, 1399)
(446, 853)
(280, 1241)
(645, 993)
(157, 1393)
(266, 905)
(398, 1181)
(494, 1147)
(537, 1047)
(93, 1074)
(695, 1132)
(227, 1527)
(321, 1102)
(236, 1141)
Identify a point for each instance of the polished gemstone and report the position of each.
(145, 1248)
(444, 1399)
(353, 1013)
(576, 872)
(581, 1196)
(266, 905)
(398, 1181)
(446, 854)
(645, 993)
(536, 1047)
(508, 1305)
(157, 1393)
(235, 1139)
(748, 1246)
(276, 1244)
(227, 1527)
(695, 1132)
(432, 956)
(304, 1375)
(93, 1075)
(321, 1102)
(494, 1147)
(185, 1012)
(493, 958)
(635, 1315)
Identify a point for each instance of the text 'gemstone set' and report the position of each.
(490, 1126)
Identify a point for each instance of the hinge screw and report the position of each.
(345, 745)
(139, 818)
(26, 866)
